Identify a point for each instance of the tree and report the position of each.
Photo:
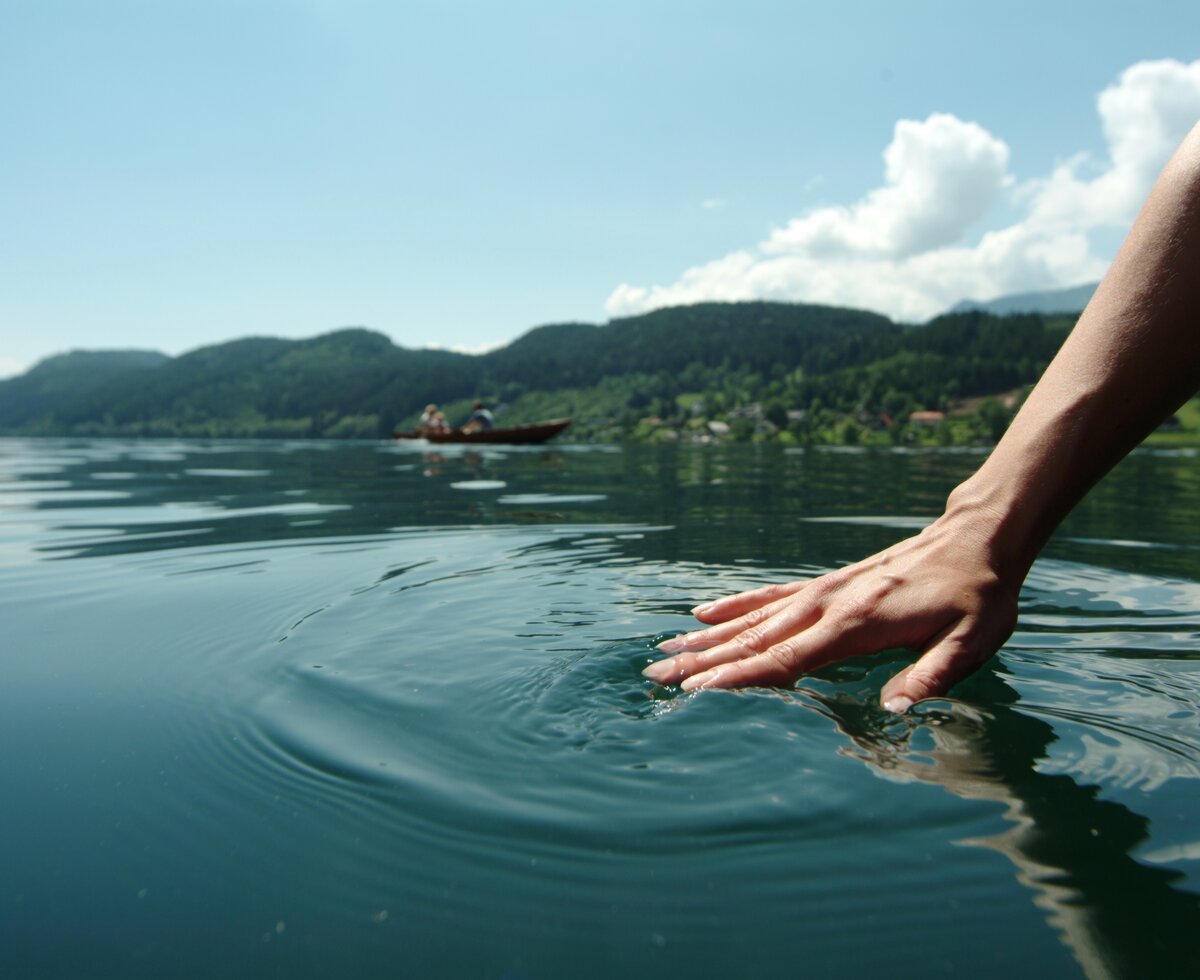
(775, 412)
(995, 418)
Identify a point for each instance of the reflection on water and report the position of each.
(1119, 916)
(326, 709)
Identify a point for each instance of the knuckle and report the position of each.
(755, 617)
(923, 681)
(853, 611)
(780, 590)
(830, 589)
(971, 649)
(785, 657)
(752, 639)
(827, 583)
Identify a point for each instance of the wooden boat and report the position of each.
(513, 435)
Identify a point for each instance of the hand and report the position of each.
(938, 593)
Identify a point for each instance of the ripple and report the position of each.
(218, 472)
(359, 742)
(479, 485)
(506, 736)
(551, 498)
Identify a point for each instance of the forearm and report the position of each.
(951, 591)
(1131, 360)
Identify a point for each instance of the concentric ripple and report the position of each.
(322, 710)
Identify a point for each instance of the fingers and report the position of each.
(687, 665)
(784, 656)
(935, 672)
(754, 633)
(770, 669)
(732, 606)
(797, 637)
(703, 639)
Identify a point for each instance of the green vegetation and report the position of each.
(801, 375)
(346, 384)
(1181, 429)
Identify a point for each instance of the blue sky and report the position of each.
(454, 173)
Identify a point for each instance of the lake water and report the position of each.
(331, 710)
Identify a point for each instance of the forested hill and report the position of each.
(355, 382)
(255, 386)
(757, 337)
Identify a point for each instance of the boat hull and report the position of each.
(513, 435)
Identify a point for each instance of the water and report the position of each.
(329, 710)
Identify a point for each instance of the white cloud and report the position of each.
(903, 248)
(942, 176)
(1144, 115)
(483, 348)
(10, 367)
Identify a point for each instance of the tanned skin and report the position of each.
(950, 593)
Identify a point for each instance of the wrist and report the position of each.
(1001, 522)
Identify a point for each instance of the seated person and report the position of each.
(480, 421)
(428, 419)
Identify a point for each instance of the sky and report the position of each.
(176, 173)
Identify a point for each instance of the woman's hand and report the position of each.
(939, 593)
(950, 593)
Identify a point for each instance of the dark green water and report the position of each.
(330, 710)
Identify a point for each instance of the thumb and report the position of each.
(941, 667)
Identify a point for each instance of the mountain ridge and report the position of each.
(1070, 300)
(355, 382)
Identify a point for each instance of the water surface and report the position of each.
(329, 709)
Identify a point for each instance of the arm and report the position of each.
(950, 593)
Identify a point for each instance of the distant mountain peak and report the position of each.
(1071, 300)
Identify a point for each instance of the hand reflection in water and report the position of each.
(950, 593)
(1119, 917)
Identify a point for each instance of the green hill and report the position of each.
(735, 336)
(757, 369)
(66, 382)
(358, 383)
(345, 383)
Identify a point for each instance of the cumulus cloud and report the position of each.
(903, 248)
(942, 175)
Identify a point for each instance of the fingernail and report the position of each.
(660, 672)
(701, 609)
(672, 645)
(897, 705)
(697, 681)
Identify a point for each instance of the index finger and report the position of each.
(732, 606)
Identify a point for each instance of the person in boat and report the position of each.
(950, 593)
(480, 420)
(428, 420)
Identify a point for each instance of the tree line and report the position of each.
(801, 368)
